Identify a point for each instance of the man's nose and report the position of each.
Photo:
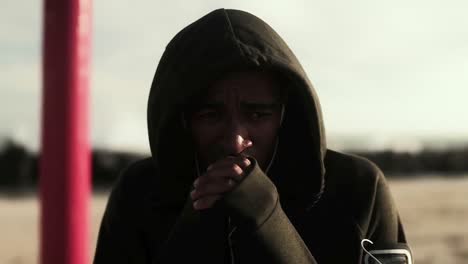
(237, 138)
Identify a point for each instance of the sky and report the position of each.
(389, 74)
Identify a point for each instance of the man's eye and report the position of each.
(207, 115)
(259, 115)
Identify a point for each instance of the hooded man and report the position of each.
(240, 171)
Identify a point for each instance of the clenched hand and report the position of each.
(220, 177)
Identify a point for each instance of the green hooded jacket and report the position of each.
(314, 205)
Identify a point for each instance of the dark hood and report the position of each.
(222, 41)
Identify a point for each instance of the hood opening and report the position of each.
(220, 42)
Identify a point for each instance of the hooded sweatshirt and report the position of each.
(313, 205)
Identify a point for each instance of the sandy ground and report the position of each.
(434, 212)
(435, 215)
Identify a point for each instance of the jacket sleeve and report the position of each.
(385, 229)
(264, 232)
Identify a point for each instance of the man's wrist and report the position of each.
(253, 200)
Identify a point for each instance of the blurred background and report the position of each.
(392, 77)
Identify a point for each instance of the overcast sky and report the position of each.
(385, 71)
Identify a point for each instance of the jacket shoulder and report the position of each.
(137, 173)
(348, 173)
(134, 184)
(353, 182)
(360, 167)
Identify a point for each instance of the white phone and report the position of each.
(389, 256)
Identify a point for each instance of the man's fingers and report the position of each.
(220, 177)
(245, 162)
(231, 171)
(240, 161)
(205, 202)
(212, 188)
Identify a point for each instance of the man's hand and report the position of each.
(220, 177)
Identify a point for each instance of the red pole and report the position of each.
(65, 150)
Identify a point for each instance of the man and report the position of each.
(240, 171)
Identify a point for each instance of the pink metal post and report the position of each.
(65, 150)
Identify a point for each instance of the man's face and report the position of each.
(239, 115)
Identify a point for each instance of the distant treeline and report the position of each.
(449, 162)
(19, 167)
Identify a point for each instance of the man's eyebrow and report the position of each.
(211, 104)
(203, 105)
(248, 105)
(265, 106)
